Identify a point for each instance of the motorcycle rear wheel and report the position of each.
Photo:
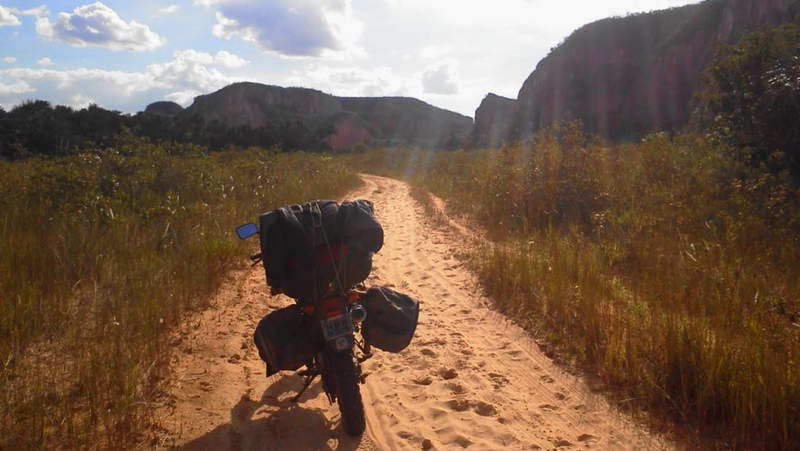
(349, 394)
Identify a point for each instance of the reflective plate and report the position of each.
(336, 327)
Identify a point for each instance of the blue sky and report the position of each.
(124, 55)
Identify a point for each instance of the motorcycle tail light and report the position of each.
(332, 307)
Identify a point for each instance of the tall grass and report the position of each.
(664, 267)
(100, 255)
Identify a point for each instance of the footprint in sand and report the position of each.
(485, 409)
(425, 380)
(546, 379)
(549, 407)
(435, 413)
(498, 379)
(448, 373)
(406, 435)
(586, 437)
(458, 405)
(427, 352)
(457, 389)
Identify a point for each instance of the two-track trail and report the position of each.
(469, 379)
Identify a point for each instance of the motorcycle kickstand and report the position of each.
(309, 379)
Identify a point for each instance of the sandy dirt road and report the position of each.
(470, 378)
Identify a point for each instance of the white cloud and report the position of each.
(229, 59)
(435, 51)
(7, 18)
(440, 79)
(45, 61)
(20, 87)
(38, 11)
(289, 27)
(171, 9)
(82, 80)
(349, 81)
(188, 74)
(79, 101)
(222, 57)
(9, 59)
(97, 25)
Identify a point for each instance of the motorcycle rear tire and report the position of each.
(350, 404)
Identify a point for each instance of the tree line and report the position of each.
(36, 127)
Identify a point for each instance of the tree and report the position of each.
(753, 98)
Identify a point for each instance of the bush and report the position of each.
(752, 98)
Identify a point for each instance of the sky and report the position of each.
(123, 55)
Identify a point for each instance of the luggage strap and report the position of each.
(316, 219)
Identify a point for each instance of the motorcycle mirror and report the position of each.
(246, 230)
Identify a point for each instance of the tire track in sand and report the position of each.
(470, 378)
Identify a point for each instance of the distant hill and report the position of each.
(168, 109)
(624, 77)
(492, 121)
(340, 122)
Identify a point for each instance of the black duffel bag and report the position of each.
(283, 340)
(305, 246)
(391, 319)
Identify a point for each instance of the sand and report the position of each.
(469, 379)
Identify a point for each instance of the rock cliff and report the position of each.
(627, 76)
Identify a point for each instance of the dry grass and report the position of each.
(664, 267)
(100, 255)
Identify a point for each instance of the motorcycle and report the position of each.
(332, 322)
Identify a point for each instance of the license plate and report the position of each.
(337, 327)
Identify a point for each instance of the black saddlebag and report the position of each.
(283, 340)
(391, 319)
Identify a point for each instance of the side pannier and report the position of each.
(391, 319)
(283, 340)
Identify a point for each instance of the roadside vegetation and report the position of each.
(669, 267)
(101, 252)
(650, 265)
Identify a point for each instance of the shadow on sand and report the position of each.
(275, 423)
